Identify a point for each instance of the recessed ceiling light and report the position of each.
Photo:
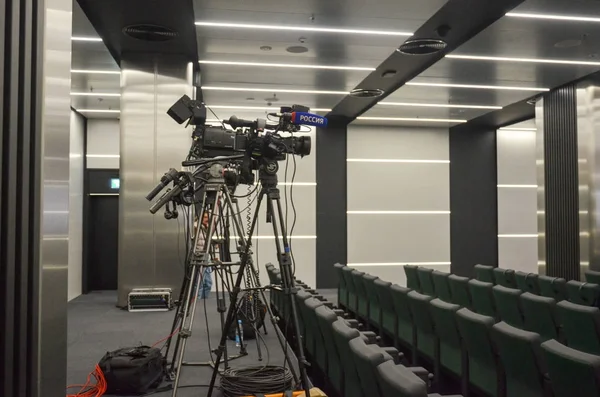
(95, 94)
(440, 105)
(482, 87)
(301, 28)
(291, 91)
(525, 60)
(553, 17)
(260, 108)
(86, 39)
(411, 119)
(98, 111)
(284, 65)
(266, 48)
(95, 71)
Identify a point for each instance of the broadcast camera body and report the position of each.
(250, 145)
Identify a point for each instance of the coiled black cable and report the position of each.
(255, 380)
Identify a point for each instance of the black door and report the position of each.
(103, 232)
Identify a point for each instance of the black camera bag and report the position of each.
(132, 370)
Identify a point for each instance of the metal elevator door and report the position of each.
(103, 252)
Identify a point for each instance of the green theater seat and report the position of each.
(528, 282)
(475, 332)
(352, 296)
(342, 335)
(362, 300)
(580, 325)
(583, 293)
(426, 281)
(572, 373)
(387, 317)
(412, 277)
(419, 309)
(399, 381)
(404, 333)
(446, 329)
(505, 277)
(592, 276)
(367, 358)
(374, 306)
(342, 287)
(539, 315)
(508, 305)
(521, 358)
(553, 287)
(333, 368)
(459, 290)
(313, 340)
(485, 273)
(441, 285)
(482, 298)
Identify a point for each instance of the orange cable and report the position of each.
(88, 390)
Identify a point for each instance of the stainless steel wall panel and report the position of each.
(55, 195)
(76, 153)
(150, 143)
(541, 185)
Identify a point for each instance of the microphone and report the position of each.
(236, 122)
(305, 118)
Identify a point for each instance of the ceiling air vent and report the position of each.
(422, 46)
(148, 32)
(364, 93)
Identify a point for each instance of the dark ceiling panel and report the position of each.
(466, 18)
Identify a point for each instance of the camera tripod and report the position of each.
(217, 197)
(268, 181)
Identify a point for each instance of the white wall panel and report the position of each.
(517, 198)
(103, 143)
(518, 253)
(416, 188)
(394, 186)
(76, 153)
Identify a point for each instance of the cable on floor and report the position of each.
(255, 380)
(89, 390)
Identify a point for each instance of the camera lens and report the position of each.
(302, 146)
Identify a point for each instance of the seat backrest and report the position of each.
(372, 297)
(338, 270)
(505, 277)
(419, 308)
(459, 289)
(508, 305)
(580, 325)
(384, 296)
(325, 318)
(399, 381)
(484, 273)
(475, 331)
(521, 358)
(425, 281)
(572, 373)
(443, 315)
(412, 277)
(539, 315)
(553, 287)
(359, 286)
(592, 276)
(342, 335)
(347, 275)
(313, 339)
(583, 293)
(441, 286)
(482, 298)
(527, 282)
(404, 327)
(366, 359)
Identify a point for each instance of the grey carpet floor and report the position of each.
(97, 326)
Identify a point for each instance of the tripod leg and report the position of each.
(287, 278)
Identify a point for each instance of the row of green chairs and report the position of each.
(459, 340)
(452, 288)
(354, 363)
